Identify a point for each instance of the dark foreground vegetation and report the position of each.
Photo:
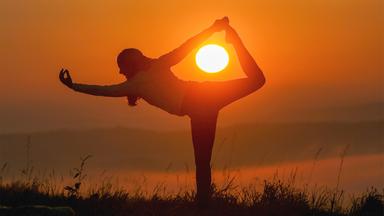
(275, 198)
(33, 194)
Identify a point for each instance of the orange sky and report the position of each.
(315, 54)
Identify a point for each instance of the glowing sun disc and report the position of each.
(212, 58)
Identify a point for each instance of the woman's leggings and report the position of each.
(203, 137)
(202, 104)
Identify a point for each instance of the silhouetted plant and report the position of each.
(78, 176)
(2, 171)
(27, 171)
(371, 203)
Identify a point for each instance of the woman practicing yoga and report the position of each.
(152, 80)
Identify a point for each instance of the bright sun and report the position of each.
(212, 58)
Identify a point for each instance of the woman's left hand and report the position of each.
(65, 78)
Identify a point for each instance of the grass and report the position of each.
(274, 198)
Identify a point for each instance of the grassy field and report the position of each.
(276, 197)
(23, 186)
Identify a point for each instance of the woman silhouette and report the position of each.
(152, 80)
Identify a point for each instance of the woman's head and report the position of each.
(131, 61)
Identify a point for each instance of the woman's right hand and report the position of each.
(65, 78)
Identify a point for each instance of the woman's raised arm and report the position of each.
(178, 54)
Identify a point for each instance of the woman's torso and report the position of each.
(161, 88)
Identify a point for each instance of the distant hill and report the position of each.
(240, 145)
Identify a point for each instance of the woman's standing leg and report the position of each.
(203, 137)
